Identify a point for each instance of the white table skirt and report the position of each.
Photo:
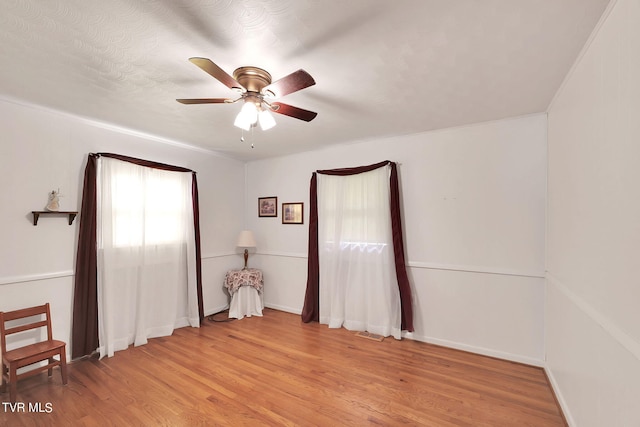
(246, 301)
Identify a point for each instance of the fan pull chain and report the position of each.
(242, 136)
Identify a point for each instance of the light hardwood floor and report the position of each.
(276, 370)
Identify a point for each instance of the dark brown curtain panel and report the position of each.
(84, 331)
(311, 308)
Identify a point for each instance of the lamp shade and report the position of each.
(242, 122)
(247, 116)
(246, 239)
(266, 120)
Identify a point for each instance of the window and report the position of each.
(146, 258)
(358, 285)
(154, 203)
(355, 211)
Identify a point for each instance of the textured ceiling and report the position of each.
(382, 67)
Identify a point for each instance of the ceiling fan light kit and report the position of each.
(256, 90)
(266, 120)
(248, 115)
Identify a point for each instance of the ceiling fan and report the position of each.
(257, 92)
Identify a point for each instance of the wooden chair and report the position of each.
(41, 351)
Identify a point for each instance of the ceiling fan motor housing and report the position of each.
(253, 79)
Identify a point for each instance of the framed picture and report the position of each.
(268, 206)
(292, 213)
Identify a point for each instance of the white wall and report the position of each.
(593, 292)
(41, 151)
(474, 215)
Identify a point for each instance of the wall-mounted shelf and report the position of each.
(36, 215)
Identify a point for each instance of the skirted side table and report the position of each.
(245, 287)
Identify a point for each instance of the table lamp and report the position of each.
(246, 241)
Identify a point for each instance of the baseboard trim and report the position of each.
(559, 397)
(444, 343)
(476, 350)
(283, 308)
(216, 310)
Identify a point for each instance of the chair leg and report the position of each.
(63, 365)
(3, 387)
(13, 384)
(50, 370)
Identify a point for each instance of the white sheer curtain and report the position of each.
(358, 288)
(146, 254)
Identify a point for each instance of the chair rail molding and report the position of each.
(35, 277)
(604, 322)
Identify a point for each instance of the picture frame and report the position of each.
(293, 213)
(268, 206)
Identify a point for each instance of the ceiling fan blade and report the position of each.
(294, 82)
(291, 111)
(212, 69)
(205, 101)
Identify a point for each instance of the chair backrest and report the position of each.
(24, 313)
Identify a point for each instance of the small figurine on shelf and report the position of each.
(54, 201)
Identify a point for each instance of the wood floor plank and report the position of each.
(276, 370)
